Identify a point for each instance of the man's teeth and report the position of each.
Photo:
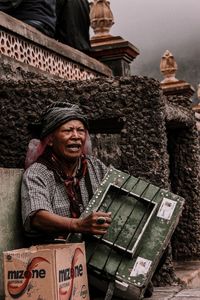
(74, 146)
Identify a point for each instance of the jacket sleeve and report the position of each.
(36, 187)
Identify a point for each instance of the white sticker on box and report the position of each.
(166, 209)
(141, 267)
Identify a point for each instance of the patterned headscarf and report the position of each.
(57, 115)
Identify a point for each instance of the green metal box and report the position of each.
(143, 220)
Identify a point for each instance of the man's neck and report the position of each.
(70, 167)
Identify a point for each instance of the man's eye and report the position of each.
(82, 130)
(70, 130)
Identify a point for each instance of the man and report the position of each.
(57, 187)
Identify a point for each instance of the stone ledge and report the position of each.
(110, 44)
(175, 293)
(165, 293)
(27, 45)
(177, 87)
(188, 294)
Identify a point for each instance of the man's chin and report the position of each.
(73, 155)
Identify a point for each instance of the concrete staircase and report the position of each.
(189, 273)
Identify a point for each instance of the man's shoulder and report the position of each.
(38, 169)
(96, 163)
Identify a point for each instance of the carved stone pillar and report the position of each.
(101, 17)
(170, 84)
(114, 51)
(168, 67)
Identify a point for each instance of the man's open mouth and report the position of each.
(74, 147)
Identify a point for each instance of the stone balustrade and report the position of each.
(30, 48)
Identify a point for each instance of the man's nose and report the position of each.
(75, 133)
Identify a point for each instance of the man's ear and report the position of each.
(50, 141)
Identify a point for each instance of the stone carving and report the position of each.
(43, 59)
(101, 17)
(168, 67)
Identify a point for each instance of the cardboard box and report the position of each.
(50, 272)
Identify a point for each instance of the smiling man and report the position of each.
(61, 178)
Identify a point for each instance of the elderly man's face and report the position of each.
(68, 140)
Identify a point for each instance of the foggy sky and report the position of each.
(154, 26)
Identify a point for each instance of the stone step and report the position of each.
(189, 273)
(175, 293)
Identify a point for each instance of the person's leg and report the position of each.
(40, 26)
(73, 24)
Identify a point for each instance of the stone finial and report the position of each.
(198, 92)
(101, 17)
(168, 67)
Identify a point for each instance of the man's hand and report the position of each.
(95, 223)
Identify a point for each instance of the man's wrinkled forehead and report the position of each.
(72, 124)
(57, 116)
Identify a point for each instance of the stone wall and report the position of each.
(10, 232)
(183, 149)
(133, 139)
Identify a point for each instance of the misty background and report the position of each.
(154, 26)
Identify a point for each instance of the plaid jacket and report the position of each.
(40, 190)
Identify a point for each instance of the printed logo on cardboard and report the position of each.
(18, 280)
(68, 275)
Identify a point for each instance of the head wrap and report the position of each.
(59, 114)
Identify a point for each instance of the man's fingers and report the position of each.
(101, 220)
(103, 217)
(100, 232)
